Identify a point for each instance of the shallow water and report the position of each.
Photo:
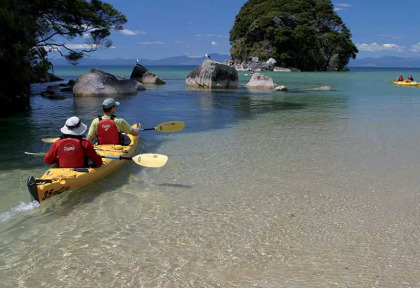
(298, 189)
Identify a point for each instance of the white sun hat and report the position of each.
(74, 126)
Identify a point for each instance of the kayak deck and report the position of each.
(58, 180)
(407, 83)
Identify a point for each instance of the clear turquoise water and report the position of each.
(262, 189)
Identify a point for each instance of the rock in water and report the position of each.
(141, 74)
(261, 81)
(99, 83)
(213, 75)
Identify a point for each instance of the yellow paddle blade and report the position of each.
(49, 140)
(36, 154)
(173, 126)
(150, 160)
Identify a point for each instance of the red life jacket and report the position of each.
(107, 132)
(70, 153)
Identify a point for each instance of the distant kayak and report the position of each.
(407, 83)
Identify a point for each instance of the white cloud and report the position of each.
(130, 32)
(74, 46)
(81, 46)
(394, 47)
(341, 6)
(415, 48)
(375, 47)
(213, 43)
(198, 35)
(151, 43)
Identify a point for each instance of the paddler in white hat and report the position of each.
(71, 150)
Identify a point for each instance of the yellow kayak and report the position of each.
(58, 180)
(407, 83)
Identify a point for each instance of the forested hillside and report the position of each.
(304, 34)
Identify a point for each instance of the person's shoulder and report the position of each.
(119, 119)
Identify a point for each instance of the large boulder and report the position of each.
(100, 83)
(261, 81)
(269, 65)
(213, 75)
(141, 74)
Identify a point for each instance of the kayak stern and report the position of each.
(31, 183)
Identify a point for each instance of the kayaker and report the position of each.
(71, 150)
(108, 128)
(410, 78)
(400, 78)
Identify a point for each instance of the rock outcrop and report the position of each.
(261, 81)
(255, 65)
(213, 75)
(49, 77)
(60, 91)
(141, 74)
(100, 83)
(281, 88)
(323, 88)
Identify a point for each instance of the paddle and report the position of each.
(36, 154)
(166, 127)
(146, 160)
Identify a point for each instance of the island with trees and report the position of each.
(303, 34)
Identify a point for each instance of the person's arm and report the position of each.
(51, 156)
(127, 129)
(92, 130)
(135, 131)
(91, 153)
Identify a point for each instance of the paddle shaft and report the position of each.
(117, 157)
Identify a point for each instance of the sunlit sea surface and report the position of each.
(262, 189)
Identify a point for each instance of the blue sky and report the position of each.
(164, 28)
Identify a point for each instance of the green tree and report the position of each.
(29, 30)
(305, 34)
